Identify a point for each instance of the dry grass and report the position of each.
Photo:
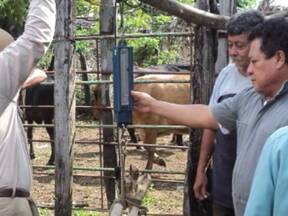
(161, 197)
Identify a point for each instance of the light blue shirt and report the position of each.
(229, 81)
(269, 192)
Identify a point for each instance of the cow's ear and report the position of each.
(134, 172)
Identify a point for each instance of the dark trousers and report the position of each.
(219, 210)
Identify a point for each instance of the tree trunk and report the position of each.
(202, 81)
(227, 8)
(189, 14)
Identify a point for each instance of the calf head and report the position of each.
(136, 184)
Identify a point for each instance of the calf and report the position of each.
(135, 186)
(36, 96)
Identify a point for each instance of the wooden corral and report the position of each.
(65, 103)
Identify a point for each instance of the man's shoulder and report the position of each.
(228, 68)
(247, 94)
(249, 91)
(227, 72)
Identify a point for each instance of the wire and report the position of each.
(121, 26)
(122, 29)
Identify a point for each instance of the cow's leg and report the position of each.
(158, 160)
(132, 135)
(30, 137)
(134, 138)
(50, 131)
(179, 139)
(150, 137)
(173, 139)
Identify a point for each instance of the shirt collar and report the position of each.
(283, 90)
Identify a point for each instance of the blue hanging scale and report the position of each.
(122, 84)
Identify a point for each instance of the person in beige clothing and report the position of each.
(36, 76)
(17, 61)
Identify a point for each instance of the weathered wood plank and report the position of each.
(107, 22)
(227, 8)
(64, 108)
(202, 82)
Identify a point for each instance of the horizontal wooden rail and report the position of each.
(94, 82)
(131, 36)
(128, 145)
(98, 169)
(114, 126)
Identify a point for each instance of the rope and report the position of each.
(124, 200)
(121, 26)
(133, 202)
(123, 141)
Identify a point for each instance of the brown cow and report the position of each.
(170, 92)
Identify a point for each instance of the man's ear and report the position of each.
(280, 58)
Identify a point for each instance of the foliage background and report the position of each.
(137, 18)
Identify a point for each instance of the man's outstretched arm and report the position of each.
(195, 116)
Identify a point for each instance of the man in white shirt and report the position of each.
(17, 61)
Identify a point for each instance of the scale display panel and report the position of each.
(122, 84)
(124, 76)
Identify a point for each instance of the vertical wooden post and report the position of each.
(64, 108)
(227, 7)
(202, 81)
(107, 25)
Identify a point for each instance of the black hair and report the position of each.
(273, 34)
(244, 22)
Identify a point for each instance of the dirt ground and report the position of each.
(88, 192)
